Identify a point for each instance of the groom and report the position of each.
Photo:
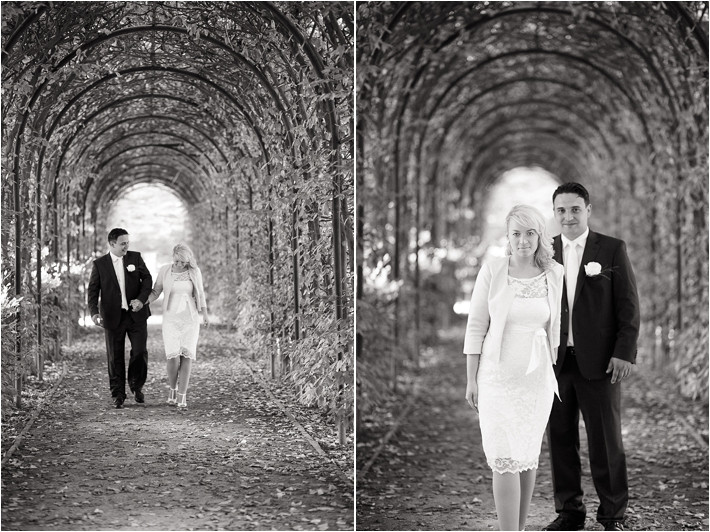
(599, 331)
(124, 283)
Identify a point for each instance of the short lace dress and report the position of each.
(181, 321)
(515, 394)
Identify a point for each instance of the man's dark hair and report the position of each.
(572, 188)
(115, 233)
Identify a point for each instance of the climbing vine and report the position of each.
(450, 96)
(244, 110)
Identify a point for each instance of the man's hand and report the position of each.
(96, 318)
(619, 369)
(136, 305)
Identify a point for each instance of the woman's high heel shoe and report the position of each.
(182, 403)
(172, 396)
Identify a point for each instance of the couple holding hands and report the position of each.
(120, 292)
(570, 302)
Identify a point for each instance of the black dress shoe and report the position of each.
(614, 525)
(140, 398)
(118, 401)
(564, 522)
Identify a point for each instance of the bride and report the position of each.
(184, 300)
(511, 343)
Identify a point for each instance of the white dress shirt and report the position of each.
(578, 244)
(121, 276)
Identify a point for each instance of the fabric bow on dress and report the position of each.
(541, 355)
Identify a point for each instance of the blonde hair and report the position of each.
(184, 253)
(530, 217)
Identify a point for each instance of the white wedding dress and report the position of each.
(515, 394)
(181, 321)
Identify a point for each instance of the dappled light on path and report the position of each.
(431, 474)
(232, 460)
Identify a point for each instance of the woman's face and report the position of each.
(179, 265)
(523, 240)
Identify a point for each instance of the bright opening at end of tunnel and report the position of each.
(156, 219)
(522, 185)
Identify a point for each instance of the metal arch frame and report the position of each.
(448, 129)
(151, 68)
(566, 165)
(70, 140)
(330, 119)
(154, 133)
(21, 29)
(332, 122)
(539, 134)
(697, 32)
(161, 178)
(489, 131)
(573, 59)
(413, 82)
(98, 194)
(107, 185)
(492, 127)
(131, 70)
(183, 31)
(536, 10)
(169, 171)
(449, 125)
(157, 117)
(549, 81)
(565, 13)
(122, 138)
(399, 114)
(90, 44)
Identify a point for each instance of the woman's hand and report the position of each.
(205, 319)
(472, 394)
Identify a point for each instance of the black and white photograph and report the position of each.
(355, 265)
(532, 254)
(178, 265)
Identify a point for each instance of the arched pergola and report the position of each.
(612, 94)
(242, 108)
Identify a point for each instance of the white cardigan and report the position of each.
(490, 303)
(164, 283)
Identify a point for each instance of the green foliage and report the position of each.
(252, 104)
(691, 362)
(375, 341)
(448, 107)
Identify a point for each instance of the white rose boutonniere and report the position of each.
(592, 269)
(132, 268)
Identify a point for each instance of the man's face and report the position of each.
(572, 214)
(120, 246)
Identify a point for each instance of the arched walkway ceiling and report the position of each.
(177, 93)
(499, 84)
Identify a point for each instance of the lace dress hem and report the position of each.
(182, 352)
(508, 465)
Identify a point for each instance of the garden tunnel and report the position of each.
(452, 95)
(243, 109)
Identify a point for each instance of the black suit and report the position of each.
(605, 322)
(118, 322)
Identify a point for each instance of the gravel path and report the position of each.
(232, 461)
(432, 473)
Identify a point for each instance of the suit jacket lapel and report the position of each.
(109, 261)
(557, 255)
(590, 253)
